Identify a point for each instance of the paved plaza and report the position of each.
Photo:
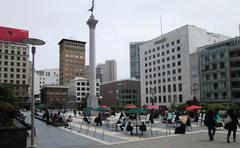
(90, 137)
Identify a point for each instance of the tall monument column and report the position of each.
(92, 22)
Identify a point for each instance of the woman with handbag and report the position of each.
(231, 125)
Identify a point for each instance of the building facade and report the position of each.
(165, 64)
(72, 60)
(219, 72)
(14, 68)
(120, 92)
(135, 59)
(54, 96)
(99, 72)
(48, 77)
(110, 71)
(79, 90)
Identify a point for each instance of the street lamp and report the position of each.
(99, 100)
(152, 92)
(195, 87)
(34, 42)
(117, 97)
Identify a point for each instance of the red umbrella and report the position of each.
(104, 106)
(193, 107)
(131, 106)
(152, 107)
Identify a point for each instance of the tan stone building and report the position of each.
(72, 60)
(14, 68)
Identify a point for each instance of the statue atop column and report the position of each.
(92, 8)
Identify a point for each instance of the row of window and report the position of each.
(12, 81)
(213, 57)
(13, 52)
(163, 46)
(216, 96)
(7, 63)
(7, 69)
(164, 99)
(159, 81)
(215, 86)
(179, 70)
(85, 84)
(179, 63)
(163, 60)
(18, 58)
(163, 53)
(214, 66)
(5, 75)
(165, 89)
(215, 76)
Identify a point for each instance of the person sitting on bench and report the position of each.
(129, 127)
(142, 128)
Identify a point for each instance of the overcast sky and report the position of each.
(120, 22)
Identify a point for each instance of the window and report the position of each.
(168, 58)
(173, 64)
(215, 85)
(180, 98)
(215, 76)
(179, 63)
(146, 99)
(214, 66)
(164, 99)
(173, 50)
(167, 45)
(169, 98)
(178, 48)
(221, 55)
(207, 77)
(172, 43)
(179, 55)
(179, 70)
(214, 57)
(168, 52)
(159, 99)
(222, 65)
(173, 57)
(174, 88)
(159, 89)
(180, 87)
(164, 88)
(169, 88)
(173, 71)
(178, 41)
(179, 77)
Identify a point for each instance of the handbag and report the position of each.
(227, 120)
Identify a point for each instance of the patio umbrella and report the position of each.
(135, 111)
(152, 107)
(193, 107)
(102, 109)
(87, 111)
(131, 106)
(104, 106)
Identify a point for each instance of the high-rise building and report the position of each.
(99, 72)
(72, 60)
(165, 64)
(135, 59)
(219, 72)
(14, 68)
(110, 71)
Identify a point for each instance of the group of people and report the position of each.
(230, 125)
(56, 117)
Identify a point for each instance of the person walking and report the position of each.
(232, 126)
(209, 121)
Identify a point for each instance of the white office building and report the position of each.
(165, 64)
(79, 89)
(45, 77)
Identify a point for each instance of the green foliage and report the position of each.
(42, 106)
(7, 105)
(6, 93)
(7, 113)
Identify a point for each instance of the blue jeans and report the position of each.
(211, 132)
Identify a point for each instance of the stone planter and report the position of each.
(13, 137)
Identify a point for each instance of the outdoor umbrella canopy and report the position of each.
(102, 109)
(193, 107)
(104, 106)
(135, 111)
(152, 107)
(131, 106)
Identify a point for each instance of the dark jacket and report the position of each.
(234, 123)
(209, 119)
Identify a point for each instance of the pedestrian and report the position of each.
(209, 121)
(231, 125)
(142, 128)
(129, 128)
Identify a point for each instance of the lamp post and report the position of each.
(34, 42)
(99, 100)
(117, 97)
(152, 92)
(195, 87)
